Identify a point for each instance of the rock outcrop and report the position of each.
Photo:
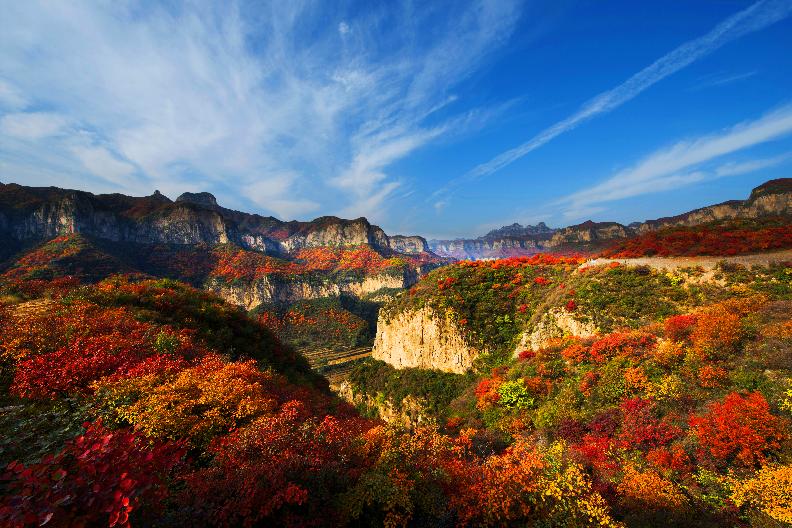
(554, 324)
(516, 230)
(589, 232)
(409, 414)
(408, 244)
(487, 248)
(423, 339)
(771, 198)
(271, 290)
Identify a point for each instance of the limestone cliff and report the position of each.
(30, 212)
(336, 234)
(408, 244)
(589, 232)
(270, 290)
(771, 198)
(487, 248)
(424, 339)
(553, 324)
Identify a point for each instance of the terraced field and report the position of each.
(335, 364)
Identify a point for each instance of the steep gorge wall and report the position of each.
(269, 290)
(424, 339)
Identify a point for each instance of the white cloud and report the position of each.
(11, 97)
(759, 15)
(102, 163)
(229, 94)
(679, 165)
(273, 193)
(31, 125)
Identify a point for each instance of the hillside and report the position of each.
(631, 371)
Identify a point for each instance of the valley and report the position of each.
(231, 366)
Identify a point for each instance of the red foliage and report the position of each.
(640, 428)
(679, 327)
(730, 238)
(571, 306)
(739, 431)
(101, 477)
(527, 354)
(264, 471)
(620, 344)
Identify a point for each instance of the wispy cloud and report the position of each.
(759, 15)
(719, 80)
(683, 164)
(297, 106)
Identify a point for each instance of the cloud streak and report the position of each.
(683, 164)
(758, 16)
(297, 107)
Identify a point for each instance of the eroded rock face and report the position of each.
(183, 224)
(483, 248)
(78, 212)
(423, 339)
(337, 234)
(271, 290)
(590, 231)
(408, 244)
(757, 205)
(410, 414)
(554, 324)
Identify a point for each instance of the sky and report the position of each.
(439, 119)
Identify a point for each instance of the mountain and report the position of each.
(773, 198)
(50, 232)
(516, 230)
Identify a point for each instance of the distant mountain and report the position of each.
(771, 198)
(516, 230)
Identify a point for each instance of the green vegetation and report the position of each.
(435, 389)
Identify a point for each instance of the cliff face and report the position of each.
(342, 233)
(486, 248)
(77, 212)
(80, 212)
(283, 292)
(771, 198)
(408, 244)
(423, 339)
(410, 414)
(192, 219)
(590, 231)
(554, 324)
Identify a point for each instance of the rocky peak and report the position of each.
(589, 231)
(516, 230)
(161, 197)
(204, 199)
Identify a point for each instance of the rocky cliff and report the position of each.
(516, 230)
(408, 244)
(771, 198)
(553, 324)
(326, 231)
(271, 290)
(487, 248)
(29, 212)
(589, 232)
(424, 339)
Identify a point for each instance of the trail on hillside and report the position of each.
(707, 262)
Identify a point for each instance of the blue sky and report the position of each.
(444, 119)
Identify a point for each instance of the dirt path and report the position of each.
(706, 262)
